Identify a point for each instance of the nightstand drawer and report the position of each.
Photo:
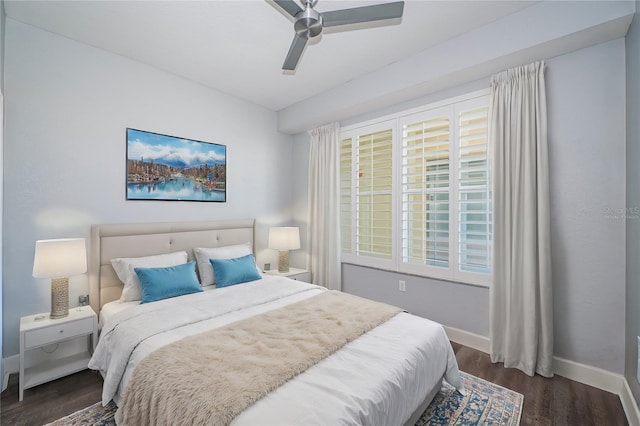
(56, 333)
(293, 273)
(305, 277)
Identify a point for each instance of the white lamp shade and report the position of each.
(284, 238)
(60, 258)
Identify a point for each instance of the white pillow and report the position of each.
(203, 255)
(124, 269)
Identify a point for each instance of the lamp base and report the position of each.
(59, 298)
(283, 261)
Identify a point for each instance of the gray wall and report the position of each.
(586, 108)
(452, 304)
(67, 107)
(2, 31)
(633, 203)
(300, 170)
(3, 17)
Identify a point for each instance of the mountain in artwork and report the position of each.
(175, 159)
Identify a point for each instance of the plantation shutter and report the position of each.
(415, 192)
(346, 209)
(425, 191)
(374, 194)
(474, 203)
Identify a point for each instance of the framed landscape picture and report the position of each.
(169, 168)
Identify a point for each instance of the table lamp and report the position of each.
(284, 239)
(58, 260)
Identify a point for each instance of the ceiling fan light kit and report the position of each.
(309, 23)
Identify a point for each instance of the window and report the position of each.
(368, 223)
(425, 189)
(346, 213)
(415, 193)
(474, 206)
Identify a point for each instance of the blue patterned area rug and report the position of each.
(484, 404)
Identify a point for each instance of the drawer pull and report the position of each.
(61, 331)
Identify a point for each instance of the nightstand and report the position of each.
(294, 274)
(38, 331)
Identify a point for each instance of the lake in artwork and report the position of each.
(161, 167)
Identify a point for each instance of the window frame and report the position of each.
(395, 123)
(354, 258)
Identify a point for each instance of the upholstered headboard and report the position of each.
(109, 241)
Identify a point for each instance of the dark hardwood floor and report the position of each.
(556, 401)
(49, 401)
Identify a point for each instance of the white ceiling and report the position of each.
(238, 46)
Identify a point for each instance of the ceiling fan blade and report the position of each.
(289, 6)
(295, 51)
(357, 15)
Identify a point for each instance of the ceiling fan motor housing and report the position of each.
(308, 23)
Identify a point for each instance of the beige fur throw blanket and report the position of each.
(210, 378)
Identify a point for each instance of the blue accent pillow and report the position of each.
(235, 271)
(170, 281)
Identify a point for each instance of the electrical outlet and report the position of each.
(402, 286)
(83, 299)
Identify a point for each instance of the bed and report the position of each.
(388, 375)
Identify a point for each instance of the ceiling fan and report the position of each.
(309, 23)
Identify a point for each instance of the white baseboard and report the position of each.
(601, 379)
(11, 366)
(471, 340)
(629, 404)
(586, 374)
(592, 376)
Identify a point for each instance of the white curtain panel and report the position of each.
(521, 316)
(324, 206)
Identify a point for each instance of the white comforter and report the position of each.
(380, 378)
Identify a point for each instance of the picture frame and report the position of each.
(169, 168)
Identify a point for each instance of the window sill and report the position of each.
(419, 275)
